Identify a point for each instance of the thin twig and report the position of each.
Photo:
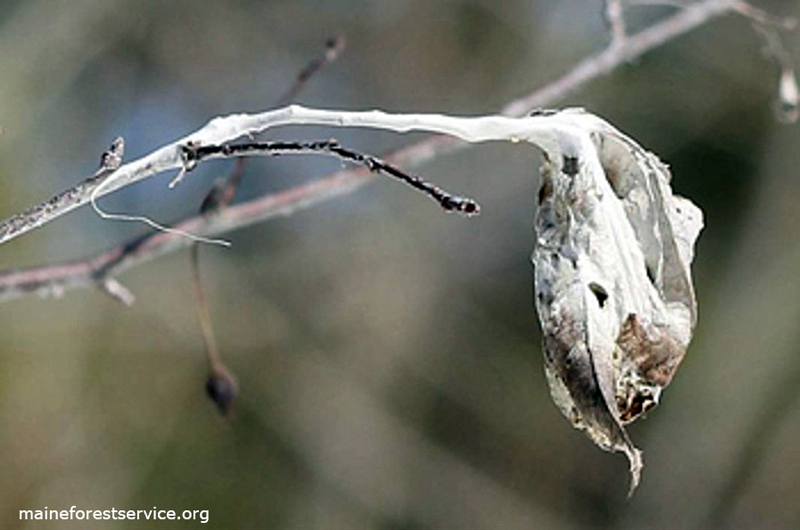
(203, 313)
(333, 49)
(193, 154)
(613, 57)
(54, 279)
(767, 26)
(746, 9)
(762, 17)
(615, 18)
(221, 384)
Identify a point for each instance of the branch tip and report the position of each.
(223, 388)
(334, 47)
(615, 18)
(117, 291)
(462, 205)
(111, 159)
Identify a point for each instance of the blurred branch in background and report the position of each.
(772, 413)
(55, 279)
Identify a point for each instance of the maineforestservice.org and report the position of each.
(114, 514)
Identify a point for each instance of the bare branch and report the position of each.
(767, 26)
(62, 203)
(333, 49)
(48, 280)
(615, 18)
(613, 56)
(762, 17)
(192, 155)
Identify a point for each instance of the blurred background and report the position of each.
(388, 354)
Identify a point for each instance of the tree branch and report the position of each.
(192, 155)
(55, 279)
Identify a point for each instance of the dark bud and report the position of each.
(222, 388)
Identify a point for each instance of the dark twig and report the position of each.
(192, 155)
